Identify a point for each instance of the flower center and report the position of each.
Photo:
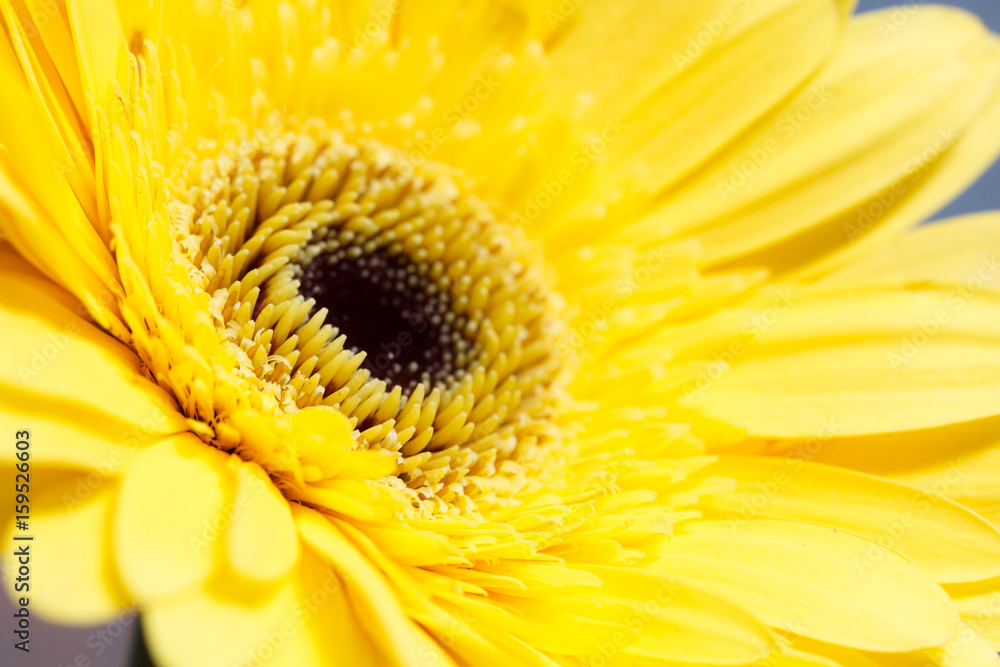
(390, 307)
(335, 273)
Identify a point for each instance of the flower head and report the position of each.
(454, 333)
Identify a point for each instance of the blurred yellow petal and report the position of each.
(376, 605)
(174, 502)
(961, 251)
(53, 355)
(69, 576)
(682, 622)
(261, 540)
(947, 541)
(305, 621)
(841, 363)
(877, 604)
(884, 110)
(979, 604)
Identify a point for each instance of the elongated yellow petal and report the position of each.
(884, 604)
(966, 649)
(892, 213)
(979, 604)
(374, 601)
(57, 365)
(962, 251)
(947, 541)
(842, 363)
(882, 113)
(680, 622)
(47, 189)
(97, 35)
(965, 471)
(71, 437)
(687, 61)
(682, 56)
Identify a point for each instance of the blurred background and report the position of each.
(109, 646)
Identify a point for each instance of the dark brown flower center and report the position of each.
(389, 308)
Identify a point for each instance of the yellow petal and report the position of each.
(887, 215)
(46, 196)
(73, 428)
(840, 363)
(884, 110)
(959, 252)
(771, 567)
(72, 578)
(679, 621)
(950, 543)
(683, 63)
(323, 439)
(331, 616)
(793, 658)
(169, 516)
(979, 604)
(376, 604)
(306, 621)
(685, 55)
(97, 35)
(261, 541)
(65, 365)
(73, 438)
(965, 470)
(966, 649)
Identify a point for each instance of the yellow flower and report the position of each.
(471, 332)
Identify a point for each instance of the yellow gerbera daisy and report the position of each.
(471, 332)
